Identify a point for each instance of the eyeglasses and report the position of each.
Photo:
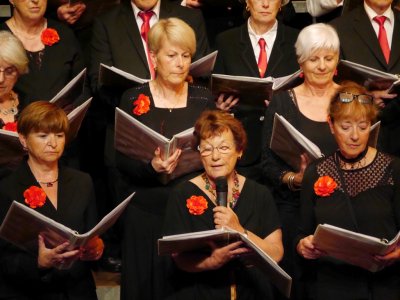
(209, 149)
(9, 72)
(349, 97)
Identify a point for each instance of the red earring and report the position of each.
(335, 73)
(301, 75)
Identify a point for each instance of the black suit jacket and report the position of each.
(359, 43)
(116, 39)
(236, 57)
(19, 274)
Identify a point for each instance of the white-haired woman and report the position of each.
(13, 63)
(306, 108)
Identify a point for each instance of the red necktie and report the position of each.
(382, 37)
(262, 59)
(144, 31)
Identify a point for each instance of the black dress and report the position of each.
(50, 69)
(20, 278)
(142, 269)
(257, 213)
(374, 201)
(285, 104)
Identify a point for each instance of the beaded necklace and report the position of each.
(210, 186)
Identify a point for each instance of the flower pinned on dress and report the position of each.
(50, 37)
(94, 246)
(196, 205)
(142, 105)
(324, 186)
(10, 126)
(35, 197)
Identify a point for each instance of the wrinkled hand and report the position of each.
(226, 104)
(194, 3)
(222, 255)
(389, 258)
(380, 97)
(55, 257)
(225, 216)
(165, 166)
(70, 13)
(307, 249)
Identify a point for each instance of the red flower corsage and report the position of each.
(142, 105)
(35, 197)
(324, 186)
(10, 126)
(50, 37)
(95, 246)
(196, 205)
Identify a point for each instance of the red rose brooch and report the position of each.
(142, 105)
(196, 205)
(10, 126)
(50, 37)
(324, 186)
(35, 197)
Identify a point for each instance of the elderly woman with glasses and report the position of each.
(13, 63)
(217, 273)
(362, 194)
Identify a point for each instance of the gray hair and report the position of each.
(13, 52)
(315, 37)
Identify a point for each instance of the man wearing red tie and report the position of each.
(369, 36)
(119, 36)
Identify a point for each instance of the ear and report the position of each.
(153, 58)
(330, 122)
(22, 140)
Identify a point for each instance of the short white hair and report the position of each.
(12, 52)
(315, 37)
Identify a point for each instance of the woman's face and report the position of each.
(320, 67)
(44, 147)
(8, 78)
(30, 9)
(351, 135)
(263, 11)
(172, 63)
(219, 155)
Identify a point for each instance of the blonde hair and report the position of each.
(339, 110)
(175, 31)
(13, 52)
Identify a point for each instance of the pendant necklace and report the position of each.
(49, 183)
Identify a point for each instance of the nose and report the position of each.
(179, 61)
(2, 78)
(265, 3)
(52, 141)
(322, 64)
(354, 134)
(215, 154)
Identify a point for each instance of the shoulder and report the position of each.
(113, 14)
(257, 189)
(135, 91)
(62, 29)
(199, 91)
(341, 23)
(289, 33)
(77, 176)
(231, 35)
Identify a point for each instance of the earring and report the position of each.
(335, 73)
(301, 75)
(247, 8)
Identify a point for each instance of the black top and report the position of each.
(285, 104)
(163, 121)
(76, 208)
(374, 195)
(236, 57)
(257, 213)
(59, 63)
